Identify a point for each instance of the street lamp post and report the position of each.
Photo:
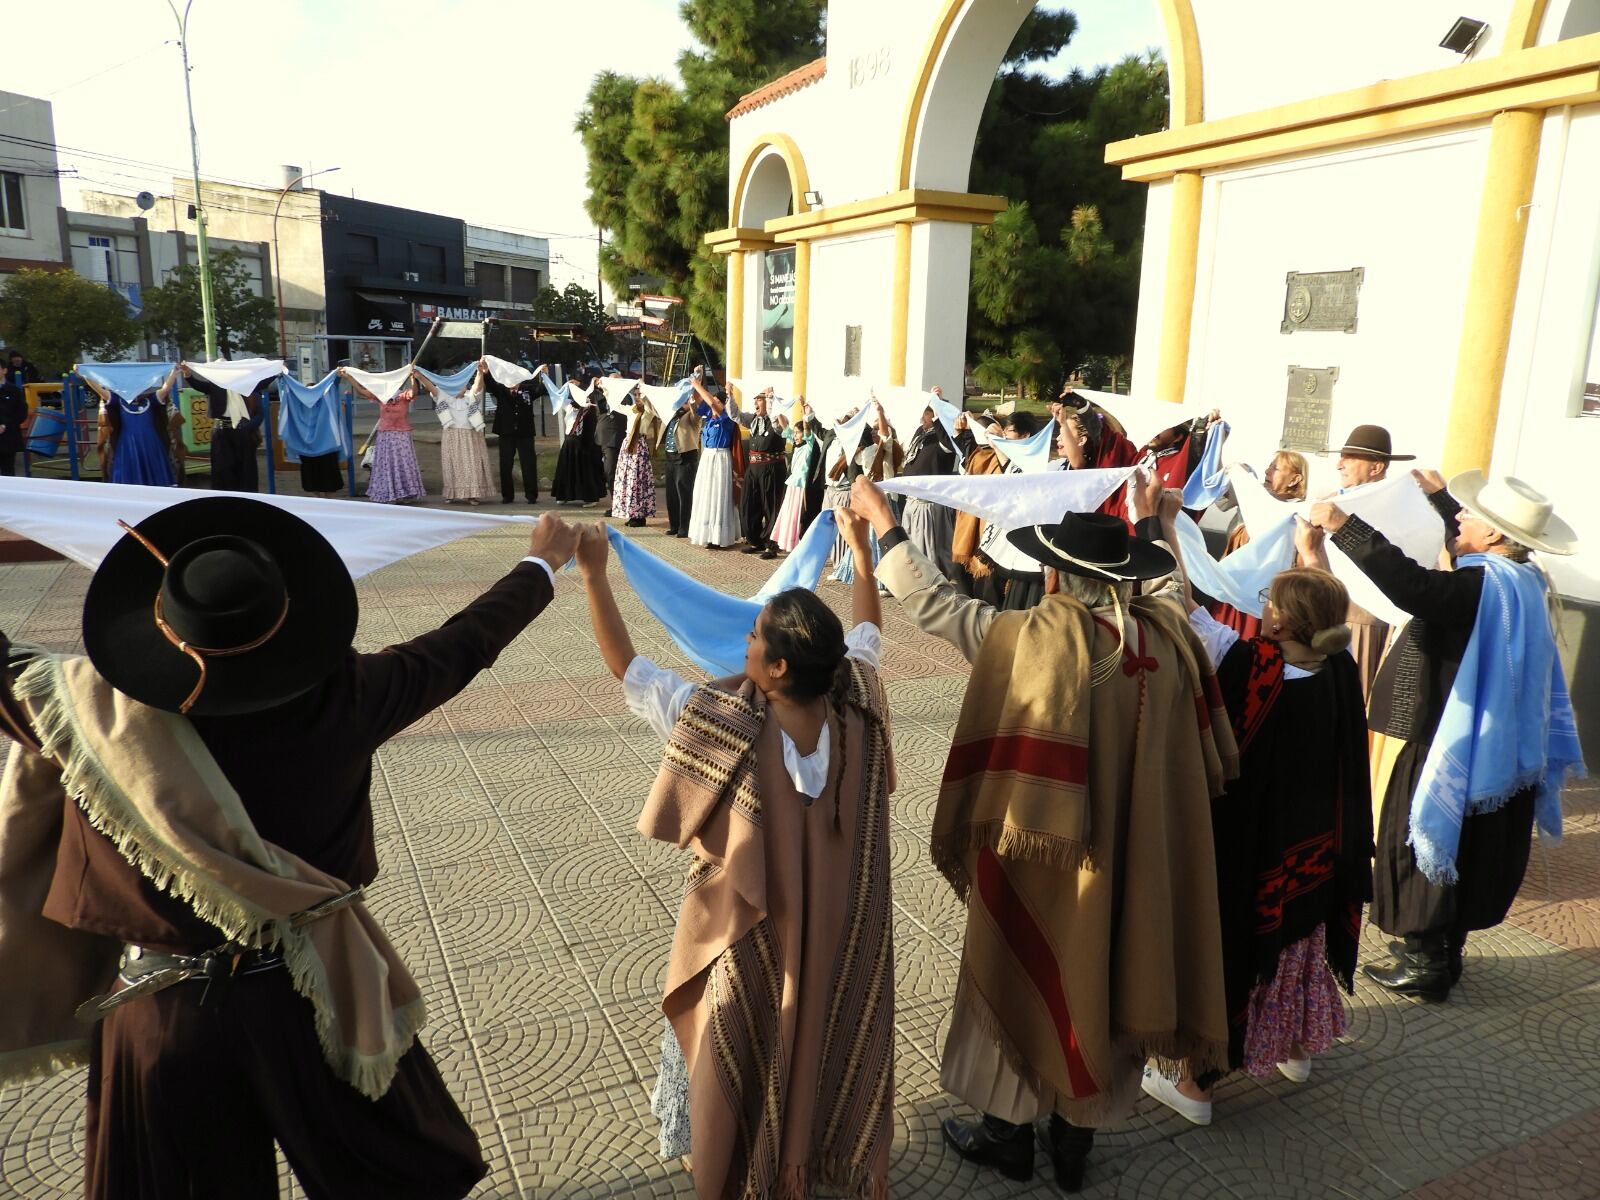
(207, 308)
(277, 259)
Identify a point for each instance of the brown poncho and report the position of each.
(781, 985)
(1076, 824)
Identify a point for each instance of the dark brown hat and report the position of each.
(1370, 441)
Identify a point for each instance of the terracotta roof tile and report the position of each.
(792, 82)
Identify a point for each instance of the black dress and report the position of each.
(1408, 698)
(579, 470)
(1293, 833)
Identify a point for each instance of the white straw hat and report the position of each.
(1522, 513)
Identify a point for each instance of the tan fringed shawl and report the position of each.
(781, 984)
(145, 780)
(969, 528)
(1076, 824)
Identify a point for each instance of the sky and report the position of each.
(462, 107)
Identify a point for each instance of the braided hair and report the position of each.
(808, 635)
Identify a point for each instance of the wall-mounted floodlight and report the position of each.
(1465, 35)
(814, 199)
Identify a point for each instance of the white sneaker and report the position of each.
(1295, 1070)
(1158, 1087)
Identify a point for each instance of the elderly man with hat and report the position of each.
(1474, 690)
(1365, 458)
(1074, 820)
(186, 829)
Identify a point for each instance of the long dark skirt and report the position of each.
(1491, 861)
(1024, 589)
(233, 459)
(579, 471)
(187, 1100)
(321, 473)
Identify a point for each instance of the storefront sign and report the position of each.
(427, 314)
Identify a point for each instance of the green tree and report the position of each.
(658, 152)
(245, 321)
(58, 318)
(576, 305)
(1013, 277)
(1041, 142)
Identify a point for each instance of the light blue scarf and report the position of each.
(309, 418)
(130, 380)
(1209, 481)
(1507, 723)
(1029, 455)
(453, 384)
(707, 625)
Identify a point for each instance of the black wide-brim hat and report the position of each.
(316, 600)
(1095, 546)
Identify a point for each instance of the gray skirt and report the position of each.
(669, 1102)
(931, 528)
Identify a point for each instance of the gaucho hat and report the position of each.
(219, 606)
(1370, 441)
(1093, 545)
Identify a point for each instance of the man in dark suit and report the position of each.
(514, 424)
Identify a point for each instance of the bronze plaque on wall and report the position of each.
(852, 350)
(1322, 300)
(1308, 410)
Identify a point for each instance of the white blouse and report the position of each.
(1219, 639)
(659, 696)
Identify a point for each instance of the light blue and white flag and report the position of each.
(707, 625)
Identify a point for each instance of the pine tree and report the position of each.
(658, 152)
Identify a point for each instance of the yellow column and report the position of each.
(1492, 290)
(900, 314)
(802, 312)
(736, 316)
(1183, 253)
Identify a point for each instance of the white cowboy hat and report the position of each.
(1520, 512)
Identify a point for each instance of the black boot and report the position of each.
(1069, 1147)
(1420, 969)
(1455, 950)
(992, 1142)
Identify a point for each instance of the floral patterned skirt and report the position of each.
(1301, 1008)
(395, 473)
(633, 492)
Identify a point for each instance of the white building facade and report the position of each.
(1445, 205)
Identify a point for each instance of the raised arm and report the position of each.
(928, 598)
(1442, 597)
(610, 631)
(857, 534)
(705, 395)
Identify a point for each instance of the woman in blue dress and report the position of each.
(135, 439)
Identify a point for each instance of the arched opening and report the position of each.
(1581, 18)
(768, 193)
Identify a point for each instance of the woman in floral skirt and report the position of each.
(633, 492)
(396, 476)
(1293, 833)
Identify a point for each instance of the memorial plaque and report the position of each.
(852, 350)
(1322, 300)
(1308, 411)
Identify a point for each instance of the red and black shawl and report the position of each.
(1294, 832)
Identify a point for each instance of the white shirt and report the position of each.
(659, 696)
(1219, 639)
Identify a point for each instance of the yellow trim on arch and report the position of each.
(1185, 70)
(799, 178)
(919, 93)
(1522, 26)
(1185, 74)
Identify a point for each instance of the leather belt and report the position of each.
(763, 456)
(144, 972)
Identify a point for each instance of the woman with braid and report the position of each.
(779, 994)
